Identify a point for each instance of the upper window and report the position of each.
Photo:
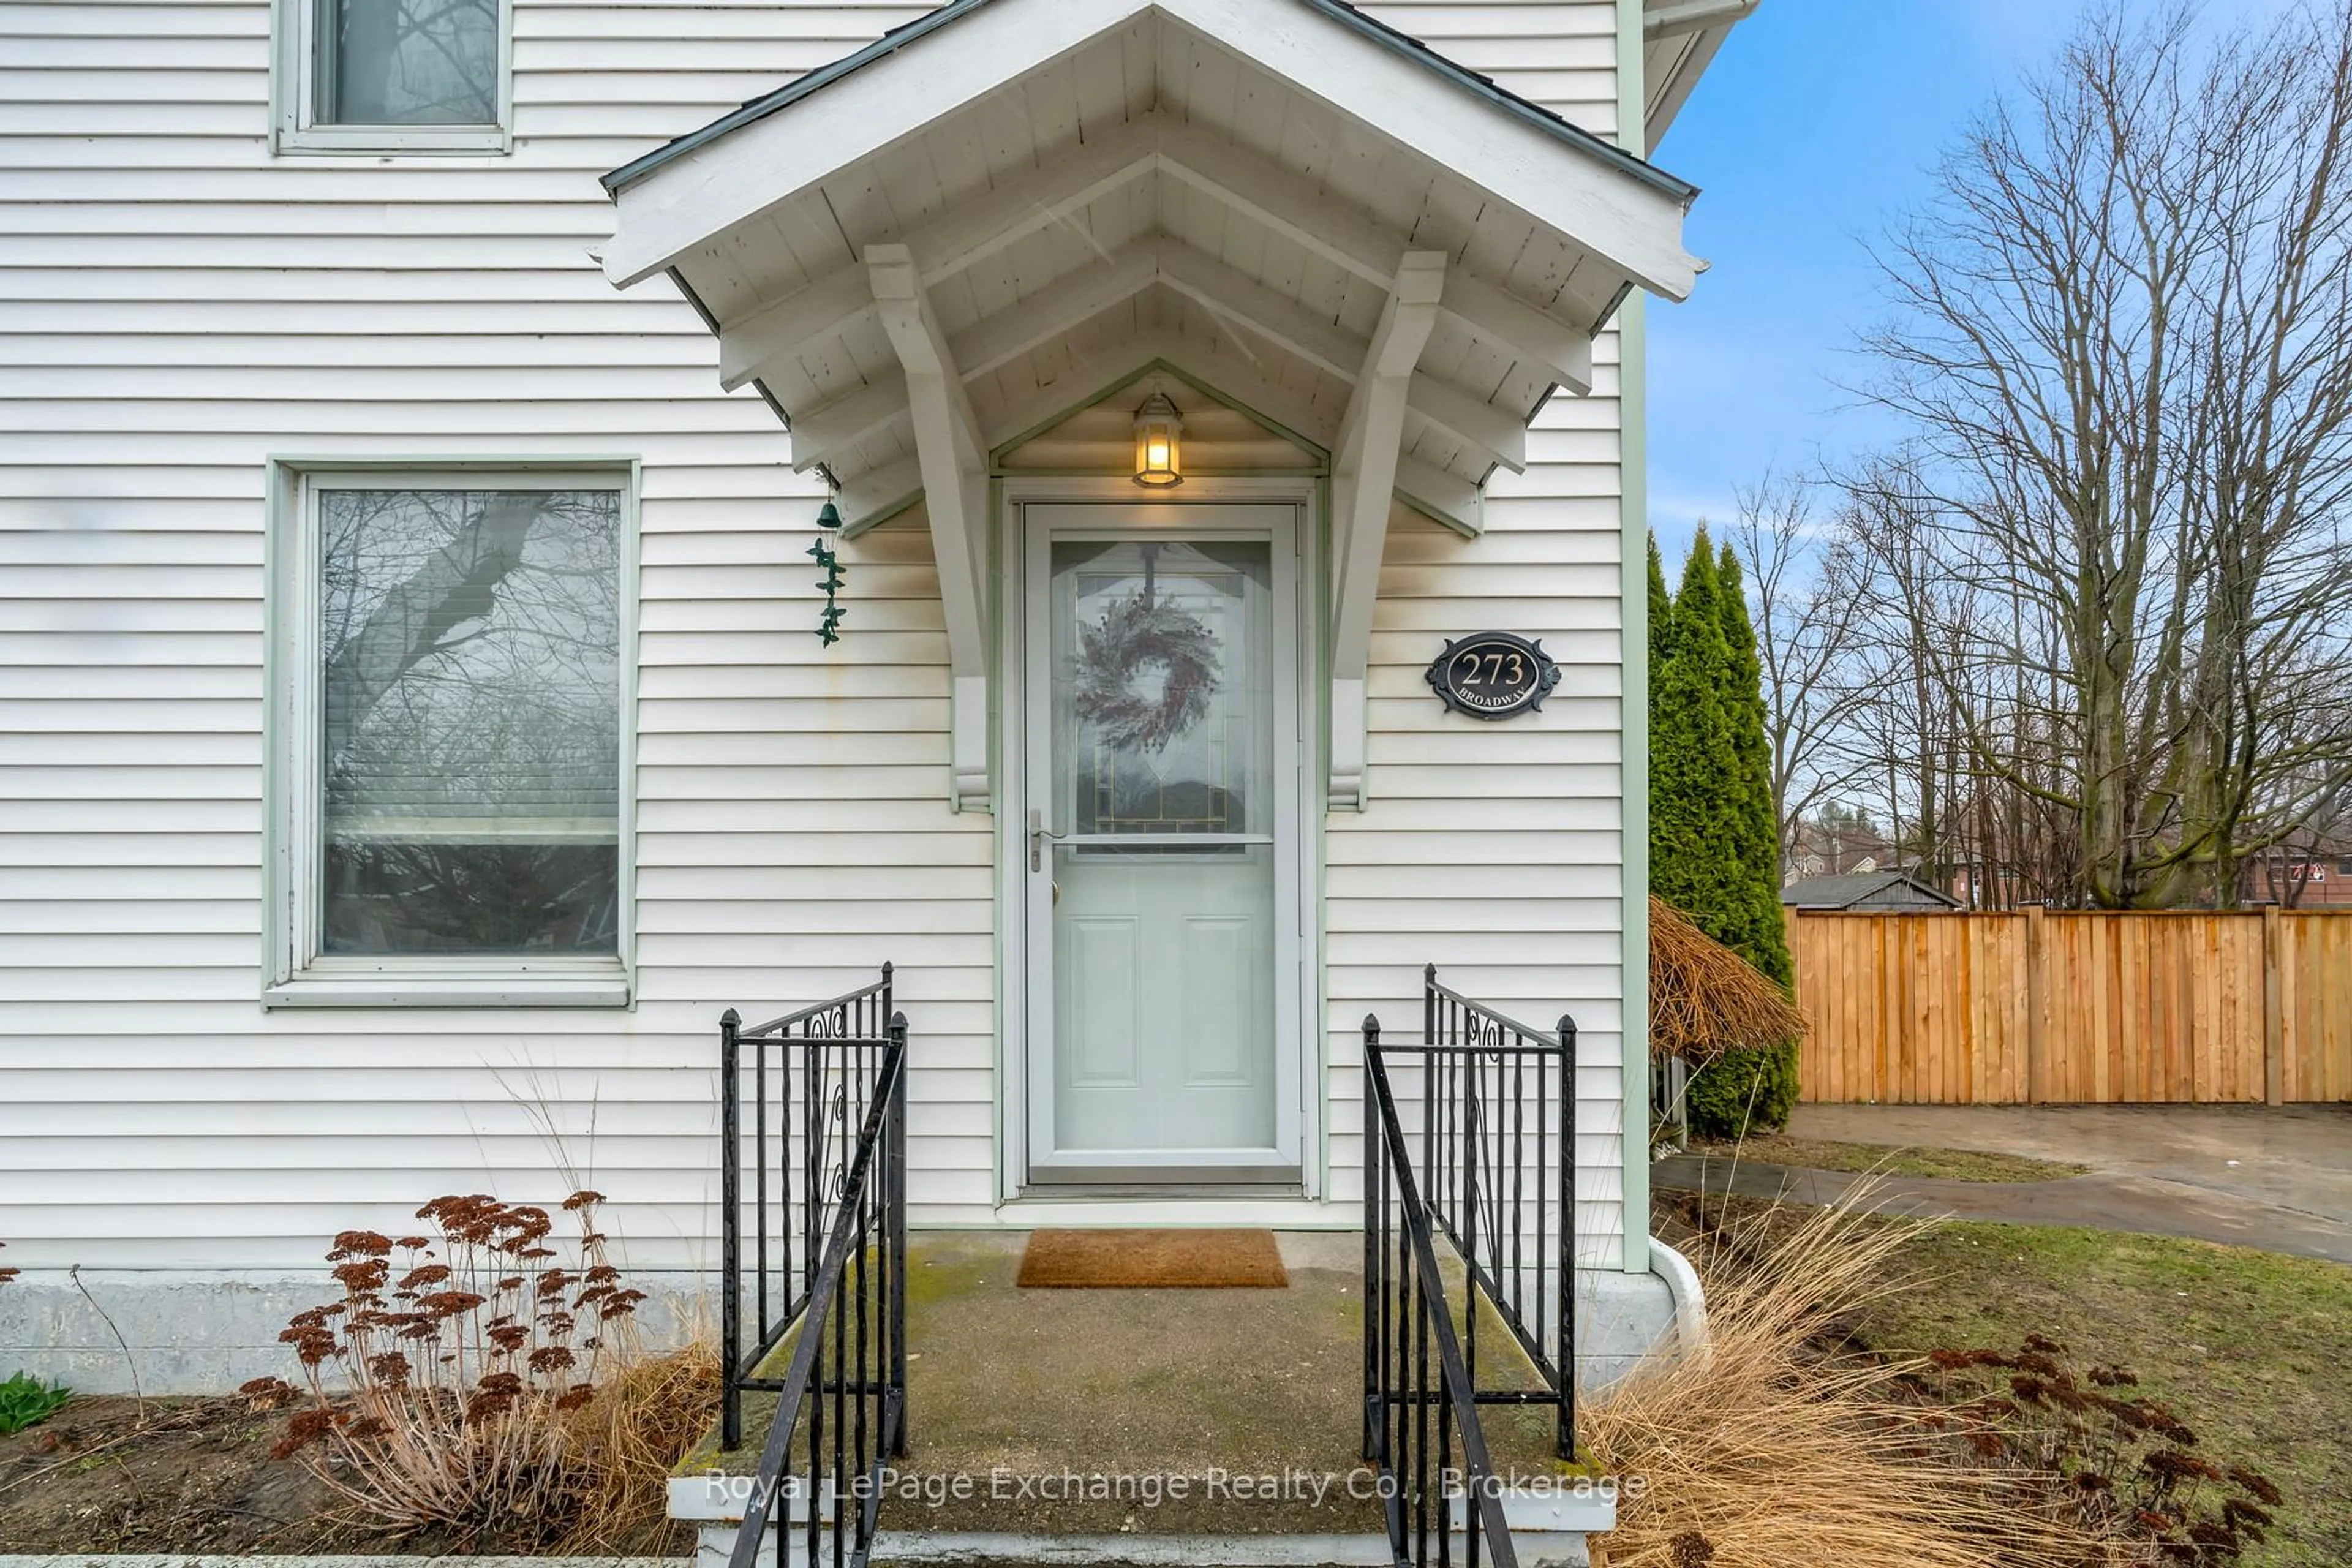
(393, 76)
(452, 709)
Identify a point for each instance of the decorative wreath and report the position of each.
(1133, 634)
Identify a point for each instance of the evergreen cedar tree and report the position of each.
(1662, 627)
(1714, 851)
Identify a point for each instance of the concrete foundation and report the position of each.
(175, 1332)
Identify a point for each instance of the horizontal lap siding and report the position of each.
(176, 306)
(1494, 850)
(1561, 54)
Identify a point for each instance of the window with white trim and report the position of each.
(449, 701)
(393, 76)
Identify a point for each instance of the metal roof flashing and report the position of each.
(1339, 11)
(791, 92)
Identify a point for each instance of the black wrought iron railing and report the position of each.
(1422, 1432)
(813, 1189)
(1495, 1107)
(1498, 1163)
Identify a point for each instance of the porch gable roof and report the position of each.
(990, 135)
(1347, 14)
(916, 253)
(693, 189)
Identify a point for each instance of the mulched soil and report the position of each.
(196, 1476)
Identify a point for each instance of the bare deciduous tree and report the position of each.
(2117, 540)
(1806, 606)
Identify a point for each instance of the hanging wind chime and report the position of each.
(828, 523)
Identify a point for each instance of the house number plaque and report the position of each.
(1494, 675)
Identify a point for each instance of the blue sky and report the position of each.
(1818, 121)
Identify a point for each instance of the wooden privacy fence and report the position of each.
(2085, 1007)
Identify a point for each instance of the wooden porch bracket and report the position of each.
(953, 467)
(1364, 485)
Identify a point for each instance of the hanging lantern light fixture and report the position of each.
(1159, 435)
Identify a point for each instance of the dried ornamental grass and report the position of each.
(1705, 999)
(625, 1440)
(1774, 1450)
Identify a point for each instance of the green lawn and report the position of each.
(1953, 1165)
(2251, 1348)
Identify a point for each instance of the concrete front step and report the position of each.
(1348, 1506)
(900, 1549)
(1131, 1426)
(1244, 1409)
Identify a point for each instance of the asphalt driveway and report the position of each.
(2278, 1178)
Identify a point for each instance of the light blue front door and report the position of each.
(1164, 750)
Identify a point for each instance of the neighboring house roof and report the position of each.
(1867, 890)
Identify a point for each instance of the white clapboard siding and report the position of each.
(177, 305)
(1495, 851)
(1561, 54)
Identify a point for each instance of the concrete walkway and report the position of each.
(2277, 1178)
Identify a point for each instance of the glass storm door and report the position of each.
(1163, 726)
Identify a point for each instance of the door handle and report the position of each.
(1038, 834)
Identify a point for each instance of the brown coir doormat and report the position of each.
(1151, 1259)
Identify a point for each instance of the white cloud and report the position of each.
(1675, 517)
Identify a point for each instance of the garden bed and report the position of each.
(106, 1474)
(2247, 1347)
(467, 1394)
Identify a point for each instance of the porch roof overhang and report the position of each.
(993, 213)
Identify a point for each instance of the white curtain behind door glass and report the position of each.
(470, 719)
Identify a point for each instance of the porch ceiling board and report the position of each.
(1073, 190)
(1157, 328)
(849, 421)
